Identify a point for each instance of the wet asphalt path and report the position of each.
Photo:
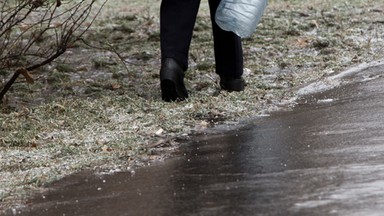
(325, 157)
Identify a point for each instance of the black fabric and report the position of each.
(177, 20)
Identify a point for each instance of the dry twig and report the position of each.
(33, 33)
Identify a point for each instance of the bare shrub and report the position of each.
(33, 33)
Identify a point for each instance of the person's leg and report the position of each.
(177, 20)
(228, 54)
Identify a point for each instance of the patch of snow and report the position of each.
(336, 80)
(328, 100)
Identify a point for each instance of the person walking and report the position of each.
(177, 21)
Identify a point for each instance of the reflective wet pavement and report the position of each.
(326, 157)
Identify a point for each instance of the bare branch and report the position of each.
(33, 33)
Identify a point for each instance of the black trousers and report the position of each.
(177, 20)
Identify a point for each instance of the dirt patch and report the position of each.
(99, 106)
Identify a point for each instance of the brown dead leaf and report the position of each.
(24, 27)
(106, 148)
(115, 86)
(302, 42)
(58, 3)
(56, 25)
(26, 75)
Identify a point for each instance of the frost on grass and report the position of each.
(105, 115)
(104, 134)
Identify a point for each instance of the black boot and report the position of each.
(232, 84)
(172, 81)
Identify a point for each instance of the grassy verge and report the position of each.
(100, 108)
